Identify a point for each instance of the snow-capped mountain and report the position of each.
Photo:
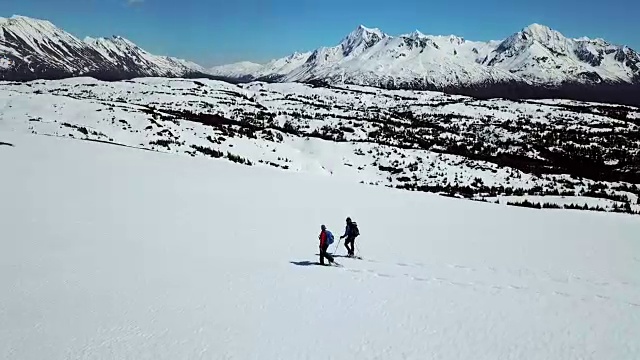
(235, 70)
(37, 49)
(533, 57)
(540, 54)
(280, 67)
(274, 69)
(370, 57)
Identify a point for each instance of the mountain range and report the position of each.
(536, 62)
(36, 49)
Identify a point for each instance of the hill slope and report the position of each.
(123, 253)
(563, 153)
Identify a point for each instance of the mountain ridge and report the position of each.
(36, 49)
(536, 61)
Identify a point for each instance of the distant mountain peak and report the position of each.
(537, 28)
(19, 19)
(599, 41)
(365, 29)
(363, 33)
(114, 39)
(361, 39)
(416, 34)
(247, 63)
(238, 69)
(542, 34)
(535, 33)
(122, 40)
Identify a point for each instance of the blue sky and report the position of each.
(212, 32)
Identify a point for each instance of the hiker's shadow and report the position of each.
(338, 256)
(304, 263)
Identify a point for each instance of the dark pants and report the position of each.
(325, 254)
(350, 241)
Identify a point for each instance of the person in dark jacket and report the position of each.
(350, 232)
(326, 238)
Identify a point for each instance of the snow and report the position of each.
(111, 252)
(236, 69)
(368, 56)
(283, 66)
(545, 35)
(276, 67)
(541, 54)
(59, 49)
(437, 59)
(119, 112)
(5, 63)
(124, 48)
(360, 40)
(38, 35)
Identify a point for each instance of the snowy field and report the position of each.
(116, 253)
(413, 139)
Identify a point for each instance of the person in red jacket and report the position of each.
(325, 239)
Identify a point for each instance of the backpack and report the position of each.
(354, 230)
(329, 237)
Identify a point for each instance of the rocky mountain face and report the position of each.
(536, 62)
(36, 49)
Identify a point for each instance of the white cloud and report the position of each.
(134, 2)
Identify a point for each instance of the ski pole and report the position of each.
(336, 250)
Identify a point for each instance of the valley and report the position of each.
(561, 153)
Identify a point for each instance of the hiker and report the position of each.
(350, 232)
(326, 239)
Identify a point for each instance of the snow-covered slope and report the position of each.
(116, 253)
(416, 140)
(235, 70)
(274, 69)
(279, 67)
(536, 57)
(122, 52)
(37, 49)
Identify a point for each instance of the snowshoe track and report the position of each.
(517, 280)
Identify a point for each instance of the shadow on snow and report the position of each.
(306, 263)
